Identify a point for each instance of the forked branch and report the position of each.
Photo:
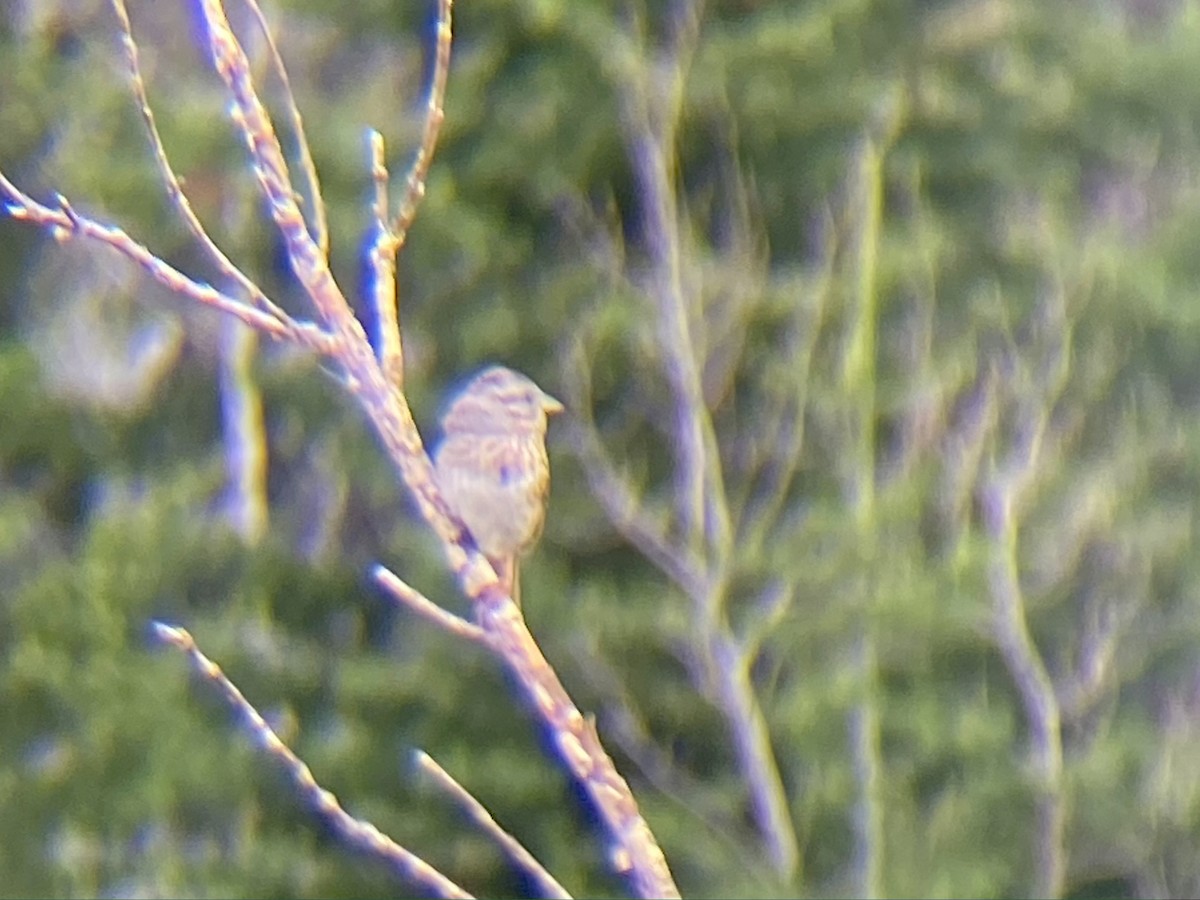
(377, 384)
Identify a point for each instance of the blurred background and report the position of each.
(870, 543)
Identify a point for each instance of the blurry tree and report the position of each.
(869, 540)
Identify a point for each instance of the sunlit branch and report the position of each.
(64, 223)
(354, 832)
(175, 191)
(384, 296)
(414, 188)
(309, 262)
(426, 608)
(320, 227)
(479, 814)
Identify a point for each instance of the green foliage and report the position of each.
(1024, 246)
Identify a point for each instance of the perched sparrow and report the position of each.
(492, 468)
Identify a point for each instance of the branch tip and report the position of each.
(171, 634)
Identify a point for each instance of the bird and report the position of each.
(492, 468)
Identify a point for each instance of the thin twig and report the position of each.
(650, 129)
(379, 181)
(426, 608)
(174, 187)
(355, 832)
(309, 263)
(781, 418)
(479, 814)
(627, 727)
(384, 296)
(320, 227)
(64, 223)
(635, 853)
(627, 514)
(414, 189)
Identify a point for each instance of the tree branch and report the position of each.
(355, 832)
(479, 814)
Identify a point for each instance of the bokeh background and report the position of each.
(939, 262)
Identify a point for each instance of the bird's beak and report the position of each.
(551, 406)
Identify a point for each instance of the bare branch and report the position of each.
(701, 560)
(414, 189)
(320, 227)
(651, 108)
(174, 187)
(476, 810)
(628, 728)
(390, 236)
(651, 105)
(355, 832)
(774, 602)
(1039, 701)
(635, 853)
(384, 299)
(1080, 688)
(630, 517)
(1001, 497)
(309, 262)
(426, 608)
(781, 418)
(752, 744)
(65, 223)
